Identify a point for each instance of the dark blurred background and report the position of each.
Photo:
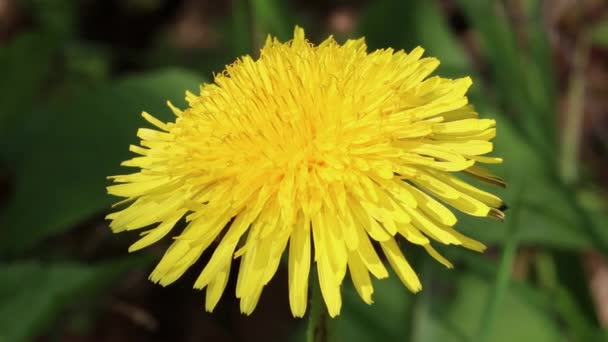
(75, 75)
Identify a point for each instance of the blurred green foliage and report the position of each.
(90, 150)
(67, 118)
(33, 294)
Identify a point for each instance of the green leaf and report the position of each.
(523, 316)
(33, 294)
(552, 299)
(458, 300)
(61, 178)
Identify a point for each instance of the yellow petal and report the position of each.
(299, 266)
(460, 185)
(404, 271)
(463, 127)
(330, 288)
(432, 208)
(157, 233)
(360, 276)
(216, 288)
(151, 119)
(223, 252)
(433, 252)
(369, 256)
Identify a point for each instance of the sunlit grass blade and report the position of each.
(572, 130)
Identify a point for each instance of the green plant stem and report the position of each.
(501, 283)
(319, 322)
(571, 134)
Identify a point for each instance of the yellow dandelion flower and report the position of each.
(323, 150)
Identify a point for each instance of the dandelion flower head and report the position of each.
(327, 153)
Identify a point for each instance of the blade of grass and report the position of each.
(541, 75)
(563, 302)
(571, 135)
(502, 280)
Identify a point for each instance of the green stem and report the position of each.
(318, 329)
